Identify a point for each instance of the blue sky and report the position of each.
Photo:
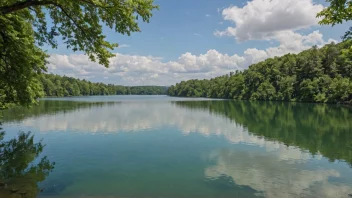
(201, 39)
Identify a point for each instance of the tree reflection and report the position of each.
(318, 128)
(20, 168)
(48, 107)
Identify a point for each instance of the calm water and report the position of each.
(162, 147)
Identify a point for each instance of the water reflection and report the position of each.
(49, 107)
(318, 128)
(284, 127)
(276, 150)
(275, 178)
(19, 175)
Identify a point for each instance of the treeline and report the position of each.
(315, 75)
(61, 86)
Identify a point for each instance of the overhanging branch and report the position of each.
(21, 5)
(31, 3)
(26, 4)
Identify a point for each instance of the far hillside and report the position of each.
(316, 75)
(63, 86)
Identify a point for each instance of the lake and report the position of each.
(164, 147)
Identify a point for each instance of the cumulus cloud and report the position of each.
(264, 19)
(146, 70)
(264, 172)
(276, 21)
(272, 20)
(290, 42)
(134, 69)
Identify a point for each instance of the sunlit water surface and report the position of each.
(157, 146)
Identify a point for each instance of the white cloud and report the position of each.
(276, 21)
(154, 76)
(60, 60)
(264, 19)
(290, 42)
(207, 15)
(210, 61)
(136, 69)
(295, 180)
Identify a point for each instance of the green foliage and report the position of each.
(57, 86)
(24, 26)
(318, 128)
(338, 12)
(80, 22)
(21, 62)
(315, 75)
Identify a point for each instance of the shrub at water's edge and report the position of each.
(316, 75)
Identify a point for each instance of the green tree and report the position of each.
(80, 22)
(345, 62)
(337, 12)
(286, 88)
(84, 86)
(315, 75)
(266, 91)
(24, 26)
(21, 62)
(340, 90)
(331, 53)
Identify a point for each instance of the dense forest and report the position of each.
(60, 86)
(315, 75)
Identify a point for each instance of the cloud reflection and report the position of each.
(275, 178)
(281, 171)
(135, 116)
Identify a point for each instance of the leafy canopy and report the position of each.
(21, 62)
(338, 12)
(25, 27)
(80, 22)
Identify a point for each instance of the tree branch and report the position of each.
(21, 5)
(96, 5)
(73, 21)
(28, 3)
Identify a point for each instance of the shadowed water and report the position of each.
(157, 146)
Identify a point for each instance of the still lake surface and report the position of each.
(163, 147)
